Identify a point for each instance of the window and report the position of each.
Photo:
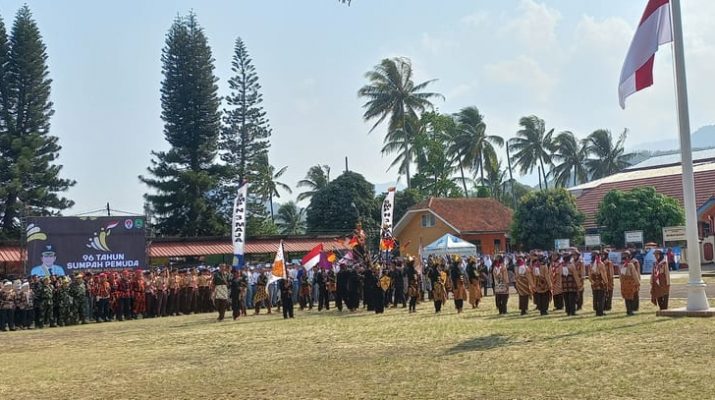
(497, 245)
(478, 243)
(427, 220)
(706, 229)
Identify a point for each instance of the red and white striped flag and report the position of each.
(654, 29)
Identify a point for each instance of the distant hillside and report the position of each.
(702, 138)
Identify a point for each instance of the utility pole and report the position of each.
(109, 213)
(346, 164)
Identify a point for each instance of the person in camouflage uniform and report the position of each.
(67, 311)
(78, 292)
(36, 287)
(46, 297)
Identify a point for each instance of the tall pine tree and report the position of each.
(185, 178)
(29, 176)
(245, 141)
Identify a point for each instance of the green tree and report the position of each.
(291, 219)
(244, 138)
(184, 178)
(641, 209)
(336, 208)
(30, 180)
(318, 177)
(571, 156)
(435, 165)
(473, 138)
(391, 93)
(608, 157)
(267, 182)
(532, 146)
(496, 180)
(544, 216)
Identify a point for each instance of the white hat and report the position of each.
(25, 286)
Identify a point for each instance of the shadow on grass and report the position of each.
(483, 343)
(494, 341)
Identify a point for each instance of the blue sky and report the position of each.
(559, 60)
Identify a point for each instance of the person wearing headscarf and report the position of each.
(660, 281)
(599, 283)
(475, 291)
(630, 282)
(501, 284)
(524, 284)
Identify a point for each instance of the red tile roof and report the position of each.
(670, 185)
(184, 248)
(470, 215)
(258, 246)
(10, 254)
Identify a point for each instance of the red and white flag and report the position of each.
(654, 29)
(312, 258)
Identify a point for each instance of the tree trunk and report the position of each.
(574, 175)
(270, 201)
(464, 181)
(481, 169)
(407, 171)
(543, 171)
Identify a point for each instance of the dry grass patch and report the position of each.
(477, 354)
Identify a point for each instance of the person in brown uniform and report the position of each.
(439, 294)
(524, 284)
(660, 281)
(570, 283)
(581, 267)
(542, 283)
(475, 291)
(609, 280)
(630, 283)
(204, 297)
(501, 284)
(556, 287)
(599, 283)
(460, 293)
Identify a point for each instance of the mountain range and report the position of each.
(702, 138)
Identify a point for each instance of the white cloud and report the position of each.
(522, 72)
(436, 45)
(476, 19)
(535, 27)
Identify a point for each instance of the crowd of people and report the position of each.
(539, 277)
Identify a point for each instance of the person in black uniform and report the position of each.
(287, 297)
(369, 288)
(353, 290)
(398, 286)
(341, 292)
(323, 296)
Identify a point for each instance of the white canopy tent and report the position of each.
(450, 245)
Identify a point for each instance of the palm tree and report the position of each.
(291, 219)
(496, 178)
(318, 177)
(572, 156)
(267, 182)
(392, 93)
(609, 157)
(408, 142)
(532, 145)
(478, 147)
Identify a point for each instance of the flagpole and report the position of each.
(697, 299)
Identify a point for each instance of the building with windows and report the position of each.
(663, 173)
(483, 222)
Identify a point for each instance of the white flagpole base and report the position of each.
(697, 299)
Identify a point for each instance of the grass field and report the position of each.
(477, 354)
